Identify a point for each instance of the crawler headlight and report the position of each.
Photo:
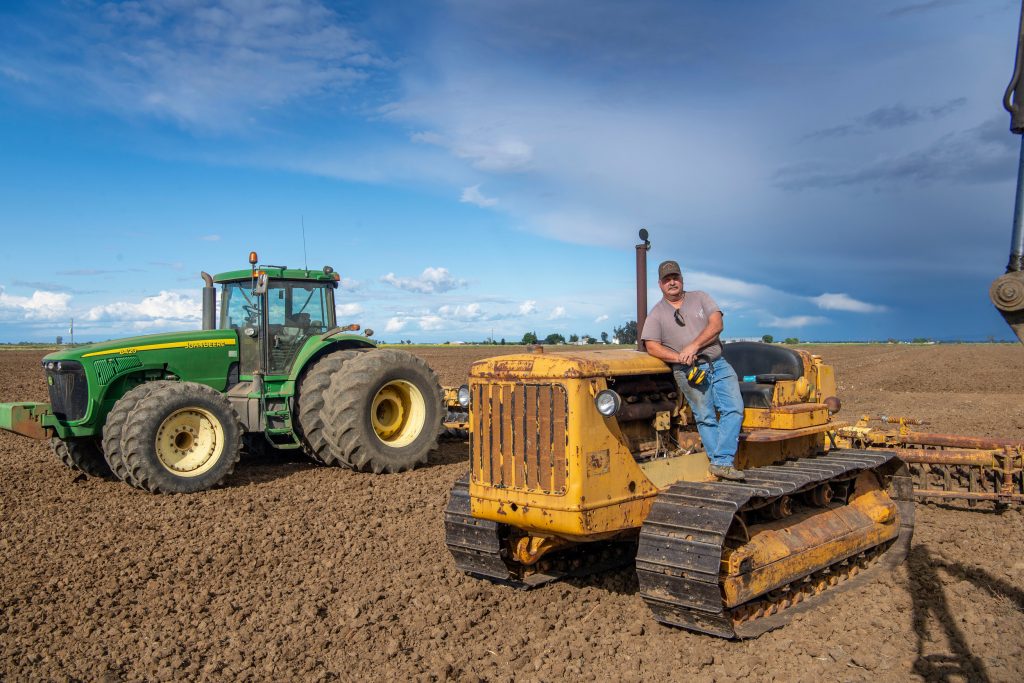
(464, 396)
(608, 402)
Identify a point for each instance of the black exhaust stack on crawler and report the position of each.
(641, 287)
(1007, 292)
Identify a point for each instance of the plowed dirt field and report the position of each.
(297, 572)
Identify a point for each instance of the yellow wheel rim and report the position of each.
(398, 412)
(189, 442)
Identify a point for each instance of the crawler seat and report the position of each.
(759, 366)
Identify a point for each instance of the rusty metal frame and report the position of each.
(948, 466)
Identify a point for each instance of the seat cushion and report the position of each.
(757, 395)
(750, 359)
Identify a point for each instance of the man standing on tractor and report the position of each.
(683, 330)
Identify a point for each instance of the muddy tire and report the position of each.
(310, 404)
(382, 412)
(114, 426)
(82, 455)
(182, 437)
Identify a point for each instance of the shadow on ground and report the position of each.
(932, 611)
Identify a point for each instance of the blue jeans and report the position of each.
(720, 434)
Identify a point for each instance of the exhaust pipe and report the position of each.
(641, 287)
(209, 303)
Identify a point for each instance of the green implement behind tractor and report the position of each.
(169, 412)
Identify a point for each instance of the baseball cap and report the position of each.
(668, 268)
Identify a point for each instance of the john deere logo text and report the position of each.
(200, 344)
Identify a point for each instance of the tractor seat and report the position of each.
(759, 366)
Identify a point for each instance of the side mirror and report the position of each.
(261, 284)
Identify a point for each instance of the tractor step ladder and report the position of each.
(282, 436)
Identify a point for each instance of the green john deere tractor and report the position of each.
(169, 412)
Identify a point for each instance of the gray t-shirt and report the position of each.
(661, 325)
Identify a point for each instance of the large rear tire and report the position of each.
(310, 405)
(382, 412)
(182, 437)
(114, 427)
(83, 455)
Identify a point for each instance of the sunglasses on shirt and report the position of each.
(678, 315)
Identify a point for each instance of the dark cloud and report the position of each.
(951, 106)
(921, 7)
(94, 271)
(45, 286)
(984, 154)
(888, 118)
(895, 116)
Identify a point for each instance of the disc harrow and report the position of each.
(947, 466)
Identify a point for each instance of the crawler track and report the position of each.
(682, 541)
(478, 548)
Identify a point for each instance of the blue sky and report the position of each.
(825, 170)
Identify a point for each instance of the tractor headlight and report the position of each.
(463, 396)
(608, 402)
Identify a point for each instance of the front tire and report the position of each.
(182, 437)
(382, 412)
(82, 455)
(114, 427)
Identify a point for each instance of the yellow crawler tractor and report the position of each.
(587, 460)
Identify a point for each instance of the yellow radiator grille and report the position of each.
(518, 436)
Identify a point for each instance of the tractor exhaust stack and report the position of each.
(209, 303)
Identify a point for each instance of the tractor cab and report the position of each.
(274, 310)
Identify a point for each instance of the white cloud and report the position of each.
(472, 195)
(502, 153)
(13, 74)
(600, 318)
(395, 325)
(557, 313)
(528, 307)
(432, 323)
(210, 238)
(162, 309)
(764, 301)
(349, 309)
(205, 64)
(467, 313)
(348, 284)
(844, 302)
(431, 281)
(42, 305)
(795, 321)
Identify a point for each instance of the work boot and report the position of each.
(727, 472)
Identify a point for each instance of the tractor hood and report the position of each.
(192, 339)
(567, 365)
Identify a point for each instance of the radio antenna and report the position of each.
(305, 260)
